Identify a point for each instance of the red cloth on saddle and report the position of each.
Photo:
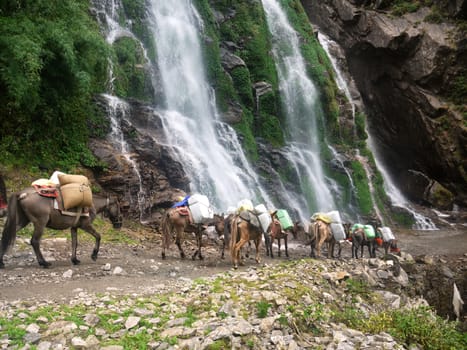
(46, 191)
(184, 211)
(3, 204)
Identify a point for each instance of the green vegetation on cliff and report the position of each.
(247, 31)
(131, 79)
(52, 60)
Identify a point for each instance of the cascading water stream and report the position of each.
(343, 86)
(340, 80)
(300, 100)
(208, 149)
(396, 197)
(118, 108)
(118, 111)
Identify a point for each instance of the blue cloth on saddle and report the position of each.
(182, 203)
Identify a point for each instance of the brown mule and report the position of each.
(176, 222)
(28, 206)
(275, 232)
(320, 233)
(241, 233)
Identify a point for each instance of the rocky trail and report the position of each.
(150, 298)
(139, 268)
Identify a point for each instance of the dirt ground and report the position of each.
(139, 269)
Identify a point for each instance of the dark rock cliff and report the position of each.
(407, 70)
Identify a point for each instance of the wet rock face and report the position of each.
(147, 179)
(404, 69)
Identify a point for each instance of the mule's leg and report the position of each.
(279, 247)
(91, 230)
(339, 251)
(178, 242)
(319, 247)
(36, 241)
(74, 245)
(286, 247)
(180, 249)
(199, 239)
(271, 241)
(373, 248)
(236, 252)
(257, 243)
(330, 246)
(165, 243)
(247, 254)
(197, 251)
(312, 248)
(267, 242)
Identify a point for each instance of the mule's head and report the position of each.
(113, 212)
(219, 224)
(298, 229)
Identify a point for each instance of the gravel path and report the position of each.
(139, 269)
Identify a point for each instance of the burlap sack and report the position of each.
(76, 195)
(66, 179)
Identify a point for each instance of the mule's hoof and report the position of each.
(94, 257)
(163, 256)
(201, 257)
(2, 265)
(75, 261)
(45, 264)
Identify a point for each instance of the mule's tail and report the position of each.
(233, 233)
(166, 231)
(312, 234)
(15, 218)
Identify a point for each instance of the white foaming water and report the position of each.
(301, 104)
(118, 111)
(208, 149)
(108, 12)
(396, 196)
(397, 199)
(340, 80)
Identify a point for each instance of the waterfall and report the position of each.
(344, 87)
(396, 197)
(107, 16)
(340, 80)
(300, 100)
(118, 112)
(208, 148)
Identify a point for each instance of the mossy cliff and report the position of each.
(408, 59)
(239, 65)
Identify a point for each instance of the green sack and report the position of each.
(284, 219)
(369, 231)
(356, 227)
